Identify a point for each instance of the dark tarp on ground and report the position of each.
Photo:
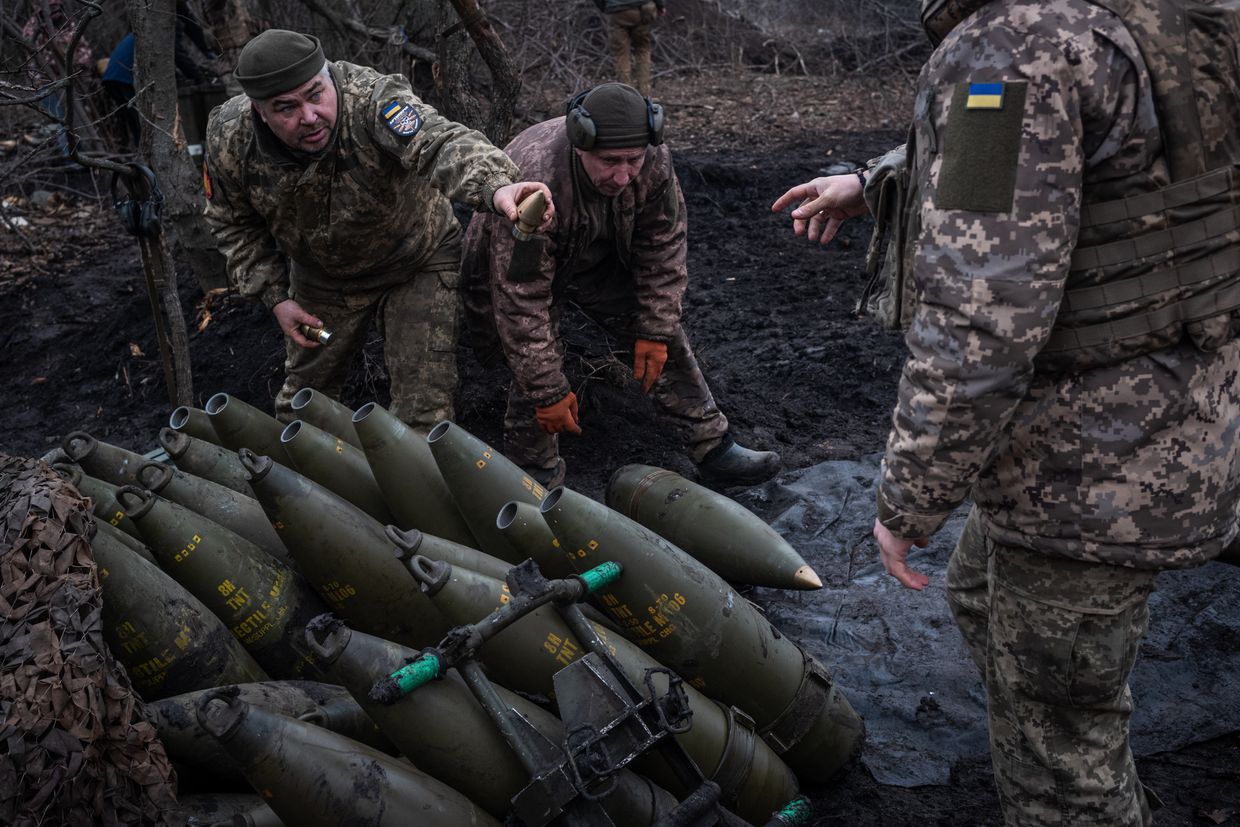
(901, 662)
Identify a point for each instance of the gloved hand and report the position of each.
(562, 416)
(648, 361)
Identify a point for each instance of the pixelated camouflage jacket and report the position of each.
(651, 232)
(1134, 463)
(373, 201)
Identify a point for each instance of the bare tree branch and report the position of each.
(391, 36)
(504, 77)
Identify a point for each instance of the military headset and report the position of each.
(582, 132)
(139, 217)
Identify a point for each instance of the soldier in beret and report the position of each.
(616, 248)
(328, 190)
(1066, 229)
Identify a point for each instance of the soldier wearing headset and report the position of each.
(616, 248)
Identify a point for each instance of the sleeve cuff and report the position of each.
(489, 188)
(542, 400)
(273, 295)
(907, 525)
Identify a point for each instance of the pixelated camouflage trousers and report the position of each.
(681, 396)
(417, 315)
(628, 38)
(1055, 640)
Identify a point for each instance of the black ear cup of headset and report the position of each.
(582, 133)
(139, 217)
(581, 130)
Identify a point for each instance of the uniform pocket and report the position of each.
(1056, 646)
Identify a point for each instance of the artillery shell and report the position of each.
(323, 412)
(345, 554)
(168, 641)
(205, 459)
(263, 602)
(688, 618)
(481, 481)
(243, 426)
(336, 465)
(715, 530)
(315, 778)
(412, 486)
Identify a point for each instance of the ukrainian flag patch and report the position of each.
(401, 118)
(985, 96)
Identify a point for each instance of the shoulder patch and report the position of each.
(981, 147)
(401, 118)
(984, 96)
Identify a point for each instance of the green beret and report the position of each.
(278, 61)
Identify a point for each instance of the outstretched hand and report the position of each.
(507, 199)
(894, 552)
(290, 314)
(825, 203)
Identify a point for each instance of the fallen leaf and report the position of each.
(1217, 816)
(39, 380)
(135, 351)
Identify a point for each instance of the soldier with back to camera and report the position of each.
(1070, 268)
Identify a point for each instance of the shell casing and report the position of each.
(345, 555)
(482, 481)
(336, 465)
(323, 412)
(312, 777)
(205, 459)
(168, 641)
(240, 425)
(717, 531)
(263, 602)
(413, 488)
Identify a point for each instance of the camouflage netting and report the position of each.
(76, 747)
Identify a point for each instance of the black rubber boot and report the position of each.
(732, 464)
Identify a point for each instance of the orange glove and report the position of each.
(562, 416)
(648, 361)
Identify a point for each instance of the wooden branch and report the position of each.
(162, 144)
(93, 10)
(506, 82)
(391, 36)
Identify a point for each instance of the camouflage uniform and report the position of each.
(362, 231)
(1034, 120)
(628, 38)
(621, 260)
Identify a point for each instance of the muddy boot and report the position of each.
(731, 464)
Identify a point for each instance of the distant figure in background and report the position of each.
(118, 76)
(628, 37)
(118, 83)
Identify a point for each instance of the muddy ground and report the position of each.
(769, 316)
